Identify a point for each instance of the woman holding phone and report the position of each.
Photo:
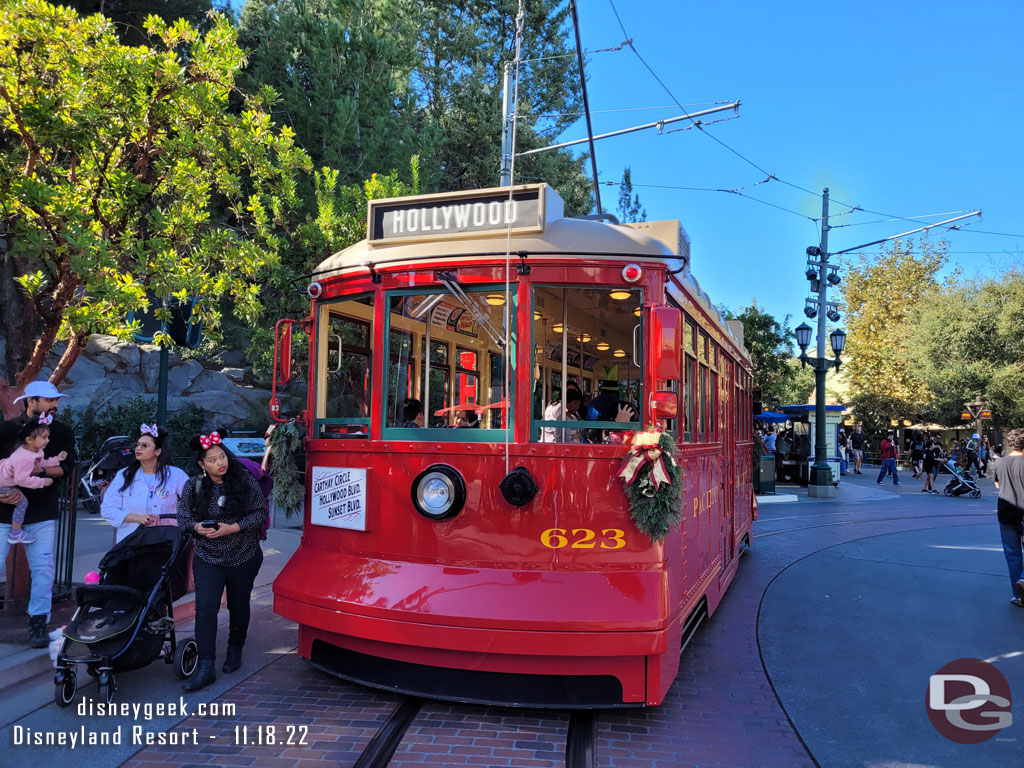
(224, 509)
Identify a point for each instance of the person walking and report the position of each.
(917, 454)
(930, 465)
(984, 453)
(224, 510)
(39, 399)
(1008, 473)
(972, 454)
(890, 452)
(857, 445)
(146, 492)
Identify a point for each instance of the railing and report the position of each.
(64, 538)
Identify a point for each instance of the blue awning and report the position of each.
(771, 417)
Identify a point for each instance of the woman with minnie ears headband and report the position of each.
(225, 510)
(147, 497)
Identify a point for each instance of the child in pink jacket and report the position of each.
(20, 468)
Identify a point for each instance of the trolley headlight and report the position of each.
(438, 492)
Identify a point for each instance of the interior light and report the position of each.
(495, 299)
(557, 328)
(637, 312)
(620, 294)
(537, 315)
(619, 353)
(584, 338)
(603, 345)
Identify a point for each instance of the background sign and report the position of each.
(338, 498)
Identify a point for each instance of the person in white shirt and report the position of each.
(146, 491)
(554, 412)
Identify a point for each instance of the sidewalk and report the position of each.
(864, 487)
(93, 537)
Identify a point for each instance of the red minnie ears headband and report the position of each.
(211, 439)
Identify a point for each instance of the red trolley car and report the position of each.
(466, 534)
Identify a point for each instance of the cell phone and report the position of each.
(210, 524)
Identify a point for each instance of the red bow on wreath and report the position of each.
(644, 450)
(211, 439)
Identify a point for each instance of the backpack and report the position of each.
(266, 484)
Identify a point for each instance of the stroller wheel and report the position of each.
(106, 687)
(91, 505)
(948, 490)
(186, 658)
(65, 688)
(975, 494)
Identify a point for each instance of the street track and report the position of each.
(868, 520)
(580, 736)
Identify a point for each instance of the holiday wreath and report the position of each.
(654, 482)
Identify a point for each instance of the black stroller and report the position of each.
(115, 454)
(125, 621)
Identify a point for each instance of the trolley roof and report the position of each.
(480, 223)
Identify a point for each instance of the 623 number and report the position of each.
(556, 538)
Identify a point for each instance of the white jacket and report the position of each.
(118, 504)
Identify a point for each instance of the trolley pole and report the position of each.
(507, 98)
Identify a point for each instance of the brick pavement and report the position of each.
(721, 711)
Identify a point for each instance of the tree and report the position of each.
(463, 49)
(967, 343)
(341, 69)
(129, 16)
(116, 163)
(879, 295)
(797, 389)
(629, 204)
(770, 346)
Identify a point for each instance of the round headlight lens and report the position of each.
(438, 492)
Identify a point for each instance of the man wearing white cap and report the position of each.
(40, 397)
(972, 453)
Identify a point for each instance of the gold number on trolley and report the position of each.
(554, 538)
(583, 543)
(616, 536)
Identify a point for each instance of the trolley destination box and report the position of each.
(458, 214)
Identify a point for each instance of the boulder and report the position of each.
(211, 381)
(119, 389)
(81, 396)
(85, 370)
(150, 368)
(111, 353)
(221, 409)
(235, 374)
(181, 376)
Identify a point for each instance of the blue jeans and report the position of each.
(40, 564)
(1011, 535)
(889, 466)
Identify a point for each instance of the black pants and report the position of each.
(210, 583)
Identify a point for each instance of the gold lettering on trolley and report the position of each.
(583, 538)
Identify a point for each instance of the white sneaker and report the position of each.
(20, 537)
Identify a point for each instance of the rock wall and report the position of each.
(110, 372)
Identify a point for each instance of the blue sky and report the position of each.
(905, 108)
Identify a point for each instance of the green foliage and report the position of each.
(129, 16)
(629, 208)
(656, 510)
(799, 385)
(967, 342)
(289, 489)
(769, 343)
(130, 176)
(879, 297)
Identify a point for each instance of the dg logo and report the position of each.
(968, 701)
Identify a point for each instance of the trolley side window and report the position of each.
(586, 340)
(345, 368)
(690, 384)
(456, 392)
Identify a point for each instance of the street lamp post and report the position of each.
(820, 483)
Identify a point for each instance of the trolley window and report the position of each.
(344, 357)
(450, 394)
(579, 335)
